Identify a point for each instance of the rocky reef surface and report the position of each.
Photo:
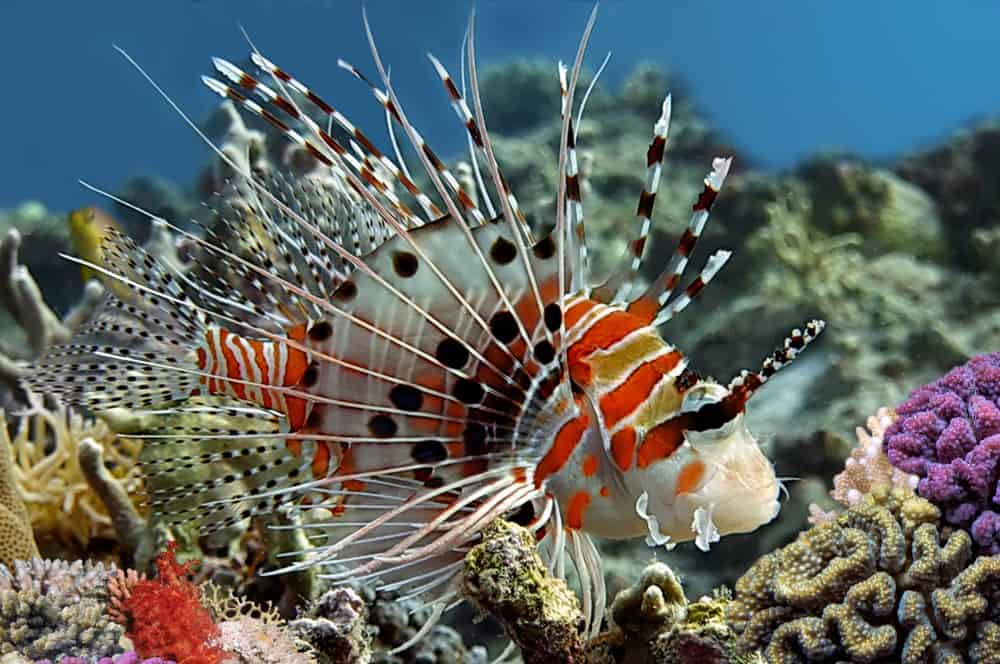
(897, 565)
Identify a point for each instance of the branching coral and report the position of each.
(50, 607)
(61, 504)
(130, 527)
(881, 583)
(867, 467)
(948, 433)
(21, 296)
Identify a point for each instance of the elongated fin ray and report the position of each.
(619, 282)
(651, 302)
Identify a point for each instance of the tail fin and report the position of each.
(133, 353)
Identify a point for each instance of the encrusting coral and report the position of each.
(17, 540)
(505, 576)
(653, 622)
(51, 607)
(883, 582)
(948, 433)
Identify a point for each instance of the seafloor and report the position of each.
(900, 258)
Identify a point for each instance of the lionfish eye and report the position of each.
(699, 396)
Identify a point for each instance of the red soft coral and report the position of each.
(166, 618)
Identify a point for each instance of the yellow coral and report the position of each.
(883, 582)
(61, 504)
(17, 541)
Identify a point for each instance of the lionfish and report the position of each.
(407, 374)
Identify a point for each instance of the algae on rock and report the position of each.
(505, 576)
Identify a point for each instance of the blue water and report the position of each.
(781, 79)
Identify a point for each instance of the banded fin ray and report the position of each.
(330, 159)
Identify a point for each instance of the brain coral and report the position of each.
(17, 541)
(948, 434)
(883, 582)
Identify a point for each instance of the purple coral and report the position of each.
(129, 657)
(948, 434)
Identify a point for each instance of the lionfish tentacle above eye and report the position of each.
(746, 383)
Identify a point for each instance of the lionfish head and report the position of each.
(717, 481)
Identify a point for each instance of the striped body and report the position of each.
(248, 365)
(628, 380)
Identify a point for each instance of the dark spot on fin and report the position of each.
(382, 426)
(503, 251)
(503, 325)
(429, 451)
(405, 263)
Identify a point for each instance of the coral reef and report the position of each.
(505, 576)
(884, 582)
(861, 245)
(65, 511)
(948, 434)
(51, 607)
